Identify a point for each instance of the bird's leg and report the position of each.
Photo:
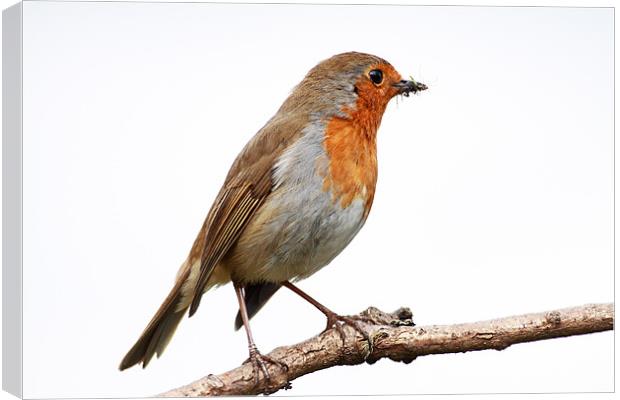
(256, 358)
(333, 319)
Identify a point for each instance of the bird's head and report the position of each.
(350, 81)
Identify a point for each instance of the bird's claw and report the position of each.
(338, 321)
(259, 364)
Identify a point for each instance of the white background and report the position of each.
(495, 193)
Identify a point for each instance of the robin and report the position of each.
(293, 199)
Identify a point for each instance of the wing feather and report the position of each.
(239, 203)
(248, 184)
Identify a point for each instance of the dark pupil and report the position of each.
(376, 76)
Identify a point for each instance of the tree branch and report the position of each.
(394, 336)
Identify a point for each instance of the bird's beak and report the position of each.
(405, 87)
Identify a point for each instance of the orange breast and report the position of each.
(351, 146)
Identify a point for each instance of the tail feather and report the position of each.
(167, 331)
(158, 332)
(161, 337)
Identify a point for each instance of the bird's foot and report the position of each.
(259, 364)
(339, 321)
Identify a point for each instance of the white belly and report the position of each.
(307, 237)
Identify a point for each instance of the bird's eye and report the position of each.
(376, 76)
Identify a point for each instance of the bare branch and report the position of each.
(394, 336)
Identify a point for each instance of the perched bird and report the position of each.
(293, 199)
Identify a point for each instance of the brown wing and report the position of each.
(237, 204)
(247, 186)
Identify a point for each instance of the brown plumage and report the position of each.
(295, 196)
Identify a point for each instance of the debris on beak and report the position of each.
(411, 86)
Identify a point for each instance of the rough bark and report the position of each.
(394, 336)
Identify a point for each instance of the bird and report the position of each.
(295, 196)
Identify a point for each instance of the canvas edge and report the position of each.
(12, 362)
